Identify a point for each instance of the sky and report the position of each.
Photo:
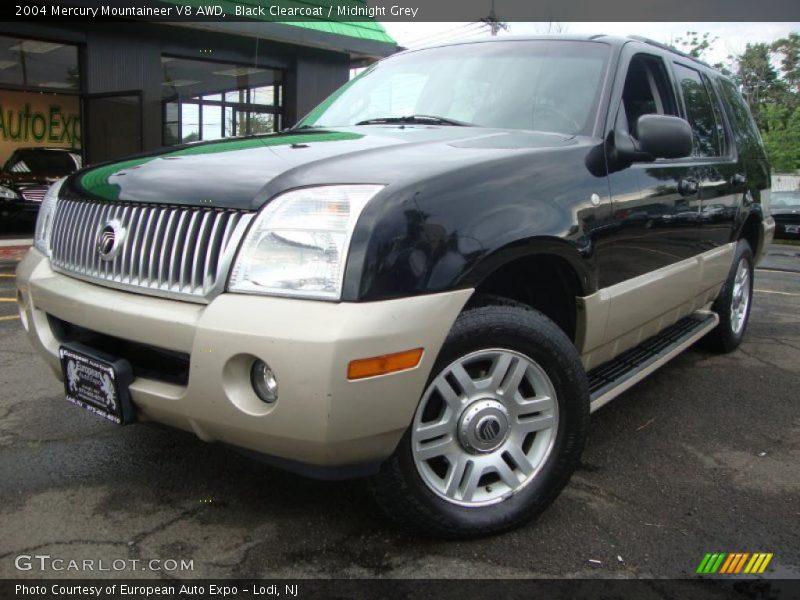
(732, 36)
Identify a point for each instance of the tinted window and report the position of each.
(38, 64)
(744, 128)
(540, 85)
(700, 111)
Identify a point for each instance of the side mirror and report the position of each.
(664, 136)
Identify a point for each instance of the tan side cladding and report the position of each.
(767, 235)
(320, 418)
(620, 317)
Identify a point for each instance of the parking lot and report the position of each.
(704, 456)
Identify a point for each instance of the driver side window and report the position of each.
(647, 91)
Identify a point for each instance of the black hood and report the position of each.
(244, 173)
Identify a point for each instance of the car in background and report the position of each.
(785, 208)
(26, 176)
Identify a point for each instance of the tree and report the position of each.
(695, 44)
(789, 50)
(757, 77)
(781, 133)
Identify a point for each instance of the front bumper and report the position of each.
(781, 228)
(767, 235)
(320, 419)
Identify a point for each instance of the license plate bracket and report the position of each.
(97, 382)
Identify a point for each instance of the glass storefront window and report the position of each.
(38, 64)
(218, 100)
(263, 95)
(190, 122)
(39, 98)
(212, 122)
(262, 123)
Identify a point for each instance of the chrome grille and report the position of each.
(34, 193)
(174, 251)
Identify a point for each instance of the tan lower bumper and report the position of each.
(767, 235)
(320, 417)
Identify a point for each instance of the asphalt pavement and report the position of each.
(704, 456)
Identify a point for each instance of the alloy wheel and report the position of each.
(484, 427)
(741, 297)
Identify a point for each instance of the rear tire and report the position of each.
(508, 395)
(733, 304)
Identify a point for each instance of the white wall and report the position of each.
(785, 183)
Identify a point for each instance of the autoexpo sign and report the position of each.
(30, 119)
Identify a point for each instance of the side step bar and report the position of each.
(610, 379)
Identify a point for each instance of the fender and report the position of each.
(453, 230)
(571, 253)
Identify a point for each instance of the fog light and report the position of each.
(264, 382)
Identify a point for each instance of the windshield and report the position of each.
(784, 199)
(543, 85)
(55, 162)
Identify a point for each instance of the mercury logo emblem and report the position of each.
(110, 240)
(488, 429)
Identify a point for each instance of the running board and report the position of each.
(610, 379)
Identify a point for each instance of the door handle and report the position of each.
(687, 187)
(738, 179)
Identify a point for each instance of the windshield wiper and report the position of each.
(411, 119)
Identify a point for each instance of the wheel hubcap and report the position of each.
(484, 427)
(741, 297)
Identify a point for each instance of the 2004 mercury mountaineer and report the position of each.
(431, 280)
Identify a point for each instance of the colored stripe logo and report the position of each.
(734, 563)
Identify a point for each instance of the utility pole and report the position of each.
(493, 23)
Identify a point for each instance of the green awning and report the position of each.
(366, 29)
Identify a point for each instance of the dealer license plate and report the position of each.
(97, 382)
(792, 228)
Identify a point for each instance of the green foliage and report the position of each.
(695, 44)
(789, 50)
(774, 96)
(781, 133)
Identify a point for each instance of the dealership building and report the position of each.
(110, 89)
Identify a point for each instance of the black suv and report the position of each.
(431, 280)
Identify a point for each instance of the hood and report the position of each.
(243, 173)
(785, 210)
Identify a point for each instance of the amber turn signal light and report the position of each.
(383, 365)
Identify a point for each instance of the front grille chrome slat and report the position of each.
(170, 251)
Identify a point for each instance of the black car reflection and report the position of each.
(27, 174)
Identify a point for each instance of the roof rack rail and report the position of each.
(668, 48)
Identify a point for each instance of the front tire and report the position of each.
(733, 304)
(498, 432)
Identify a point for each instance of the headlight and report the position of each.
(7, 193)
(47, 213)
(298, 243)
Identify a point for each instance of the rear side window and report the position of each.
(700, 112)
(744, 128)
